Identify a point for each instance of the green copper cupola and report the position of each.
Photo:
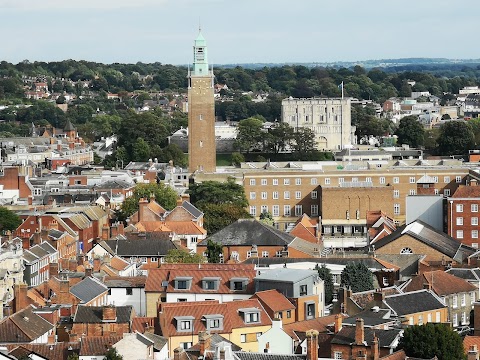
(200, 60)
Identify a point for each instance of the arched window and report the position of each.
(406, 250)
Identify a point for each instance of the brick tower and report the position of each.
(201, 112)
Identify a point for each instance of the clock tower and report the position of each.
(201, 112)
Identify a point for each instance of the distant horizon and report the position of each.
(237, 32)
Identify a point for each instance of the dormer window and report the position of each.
(183, 283)
(238, 284)
(184, 323)
(210, 283)
(213, 321)
(250, 315)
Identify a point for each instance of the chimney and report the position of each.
(312, 344)
(72, 337)
(359, 332)
(80, 259)
(96, 265)
(105, 232)
(71, 145)
(267, 348)
(472, 353)
(222, 354)
(177, 353)
(378, 296)
(375, 348)
(109, 313)
(114, 230)
(142, 204)
(473, 182)
(203, 341)
(88, 271)
(338, 323)
(72, 265)
(30, 200)
(20, 297)
(51, 338)
(361, 355)
(53, 269)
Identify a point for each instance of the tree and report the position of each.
(237, 158)
(326, 275)
(431, 339)
(250, 134)
(410, 131)
(174, 153)
(73, 356)
(112, 354)
(214, 250)
(266, 218)
(279, 137)
(304, 140)
(456, 138)
(9, 221)
(141, 150)
(214, 192)
(357, 276)
(164, 195)
(176, 256)
(218, 216)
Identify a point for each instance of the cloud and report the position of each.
(49, 5)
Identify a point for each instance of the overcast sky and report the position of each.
(237, 31)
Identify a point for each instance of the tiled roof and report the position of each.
(168, 272)
(211, 342)
(304, 233)
(365, 297)
(249, 232)
(469, 341)
(23, 326)
(466, 274)
(125, 281)
(386, 338)
(274, 300)
(232, 317)
(118, 263)
(441, 283)
(192, 209)
(97, 345)
(178, 227)
(140, 324)
(397, 355)
(158, 341)
(141, 248)
(243, 355)
(88, 289)
(320, 324)
(467, 192)
(93, 314)
(286, 275)
(57, 351)
(413, 302)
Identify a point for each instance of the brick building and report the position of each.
(102, 320)
(463, 214)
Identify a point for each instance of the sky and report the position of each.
(237, 31)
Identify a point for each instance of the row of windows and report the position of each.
(287, 210)
(473, 208)
(463, 299)
(286, 195)
(327, 181)
(473, 221)
(474, 234)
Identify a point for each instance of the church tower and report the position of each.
(201, 112)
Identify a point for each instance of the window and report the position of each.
(474, 208)
(472, 297)
(446, 179)
(186, 345)
(337, 355)
(274, 181)
(313, 181)
(382, 180)
(303, 290)
(210, 284)
(464, 318)
(446, 192)
(253, 210)
(243, 338)
(459, 207)
(298, 181)
(474, 234)
(214, 324)
(286, 181)
(463, 299)
(298, 195)
(396, 180)
(275, 195)
(238, 285)
(437, 317)
(435, 191)
(289, 314)
(129, 291)
(455, 320)
(264, 195)
(435, 179)
(286, 210)
(406, 250)
(264, 209)
(264, 181)
(474, 220)
(265, 254)
(459, 220)
(341, 181)
(251, 317)
(396, 193)
(314, 210)
(429, 317)
(253, 195)
(154, 259)
(310, 310)
(458, 179)
(420, 320)
(454, 301)
(327, 181)
(298, 210)
(459, 234)
(412, 180)
(182, 283)
(185, 325)
(252, 181)
(235, 255)
(396, 209)
(276, 210)
(258, 334)
(286, 195)
(412, 192)
(314, 194)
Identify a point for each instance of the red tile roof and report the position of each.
(397, 355)
(274, 300)
(198, 272)
(57, 351)
(468, 341)
(320, 324)
(464, 191)
(118, 263)
(140, 324)
(232, 317)
(97, 345)
(442, 283)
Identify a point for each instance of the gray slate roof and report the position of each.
(192, 209)
(93, 314)
(158, 341)
(285, 275)
(88, 289)
(466, 274)
(243, 355)
(413, 302)
(250, 232)
(346, 336)
(140, 248)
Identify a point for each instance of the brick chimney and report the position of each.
(473, 182)
(222, 354)
(105, 232)
(361, 355)
(177, 353)
(97, 262)
(20, 297)
(312, 344)
(375, 348)
(53, 269)
(80, 259)
(203, 341)
(338, 323)
(30, 199)
(72, 265)
(37, 237)
(359, 332)
(472, 353)
(142, 204)
(378, 296)
(109, 313)
(51, 338)
(88, 271)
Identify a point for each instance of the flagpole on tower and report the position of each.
(342, 88)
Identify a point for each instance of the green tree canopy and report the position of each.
(176, 256)
(250, 135)
(429, 340)
(214, 192)
(326, 275)
(410, 131)
(112, 354)
(218, 216)
(456, 138)
(304, 141)
(214, 250)
(357, 276)
(266, 218)
(9, 221)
